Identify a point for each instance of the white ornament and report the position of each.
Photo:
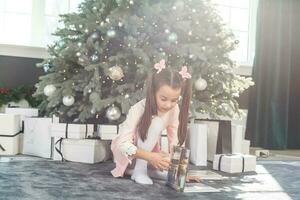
(200, 84)
(113, 113)
(116, 73)
(49, 90)
(68, 100)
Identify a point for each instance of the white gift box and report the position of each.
(9, 124)
(197, 143)
(75, 131)
(234, 163)
(9, 145)
(37, 137)
(237, 138)
(55, 141)
(107, 132)
(246, 147)
(84, 151)
(212, 138)
(23, 112)
(20, 104)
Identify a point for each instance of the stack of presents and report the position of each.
(23, 132)
(222, 143)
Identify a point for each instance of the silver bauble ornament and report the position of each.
(68, 100)
(49, 90)
(115, 73)
(113, 113)
(200, 84)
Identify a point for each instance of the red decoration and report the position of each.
(4, 91)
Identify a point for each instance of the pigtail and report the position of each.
(150, 109)
(184, 111)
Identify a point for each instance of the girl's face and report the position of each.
(166, 98)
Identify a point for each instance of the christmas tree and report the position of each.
(100, 62)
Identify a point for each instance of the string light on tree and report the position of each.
(172, 37)
(111, 33)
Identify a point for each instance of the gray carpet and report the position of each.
(35, 178)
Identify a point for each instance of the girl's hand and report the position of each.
(160, 161)
(190, 178)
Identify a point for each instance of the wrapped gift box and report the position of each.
(82, 150)
(107, 132)
(75, 131)
(237, 138)
(212, 138)
(177, 172)
(55, 148)
(9, 144)
(234, 163)
(219, 136)
(9, 124)
(23, 112)
(197, 143)
(246, 147)
(37, 137)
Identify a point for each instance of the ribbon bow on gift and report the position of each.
(160, 65)
(184, 74)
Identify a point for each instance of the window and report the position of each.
(31, 22)
(240, 16)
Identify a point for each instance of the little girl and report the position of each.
(139, 134)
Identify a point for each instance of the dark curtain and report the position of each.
(274, 104)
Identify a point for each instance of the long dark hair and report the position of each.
(173, 79)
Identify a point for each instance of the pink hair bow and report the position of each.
(184, 74)
(160, 65)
